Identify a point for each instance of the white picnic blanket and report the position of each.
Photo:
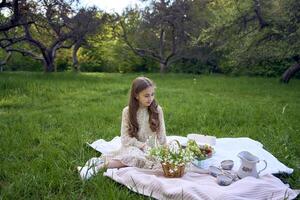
(225, 148)
(203, 186)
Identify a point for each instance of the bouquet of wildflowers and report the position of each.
(172, 153)
(172, 158)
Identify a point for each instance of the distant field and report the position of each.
(46, 120)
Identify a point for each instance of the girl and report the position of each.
(141, 119)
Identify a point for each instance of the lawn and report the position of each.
(46, 120)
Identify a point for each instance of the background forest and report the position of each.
(237, 37)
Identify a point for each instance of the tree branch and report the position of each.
(257, 10)
(140, 52)
(14, 21)
(31, 40)
(25, 53)
(174, 47)
(6, 42)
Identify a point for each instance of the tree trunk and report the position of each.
(2, 63)
(163, 67)
(49, 65)
(76, 66)
(290, 72)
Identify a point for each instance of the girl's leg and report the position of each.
(114, 164)
(91, 168)
(94, 165)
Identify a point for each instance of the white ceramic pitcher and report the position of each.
(248, 165)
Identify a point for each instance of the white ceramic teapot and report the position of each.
(248, 165)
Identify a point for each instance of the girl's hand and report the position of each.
(144, 147)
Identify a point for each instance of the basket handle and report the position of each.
(178, 144)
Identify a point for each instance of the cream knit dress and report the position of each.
(130, 153)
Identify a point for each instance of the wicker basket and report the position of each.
(173, 171)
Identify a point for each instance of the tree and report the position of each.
(257, 33)
(158, 31)
(93, 24)
(55, 24)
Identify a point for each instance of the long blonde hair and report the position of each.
(139, 84)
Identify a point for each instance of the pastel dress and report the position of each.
(130, 153)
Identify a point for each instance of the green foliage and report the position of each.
(264, 68)
(194, 66)
(63, 60)
(21, 63)
(110, 54)
(46, 120)
(248, 48)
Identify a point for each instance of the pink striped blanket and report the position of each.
(199, 186)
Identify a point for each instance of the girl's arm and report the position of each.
(161, 134)
(126, 139)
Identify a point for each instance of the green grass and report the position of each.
(46, 119)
